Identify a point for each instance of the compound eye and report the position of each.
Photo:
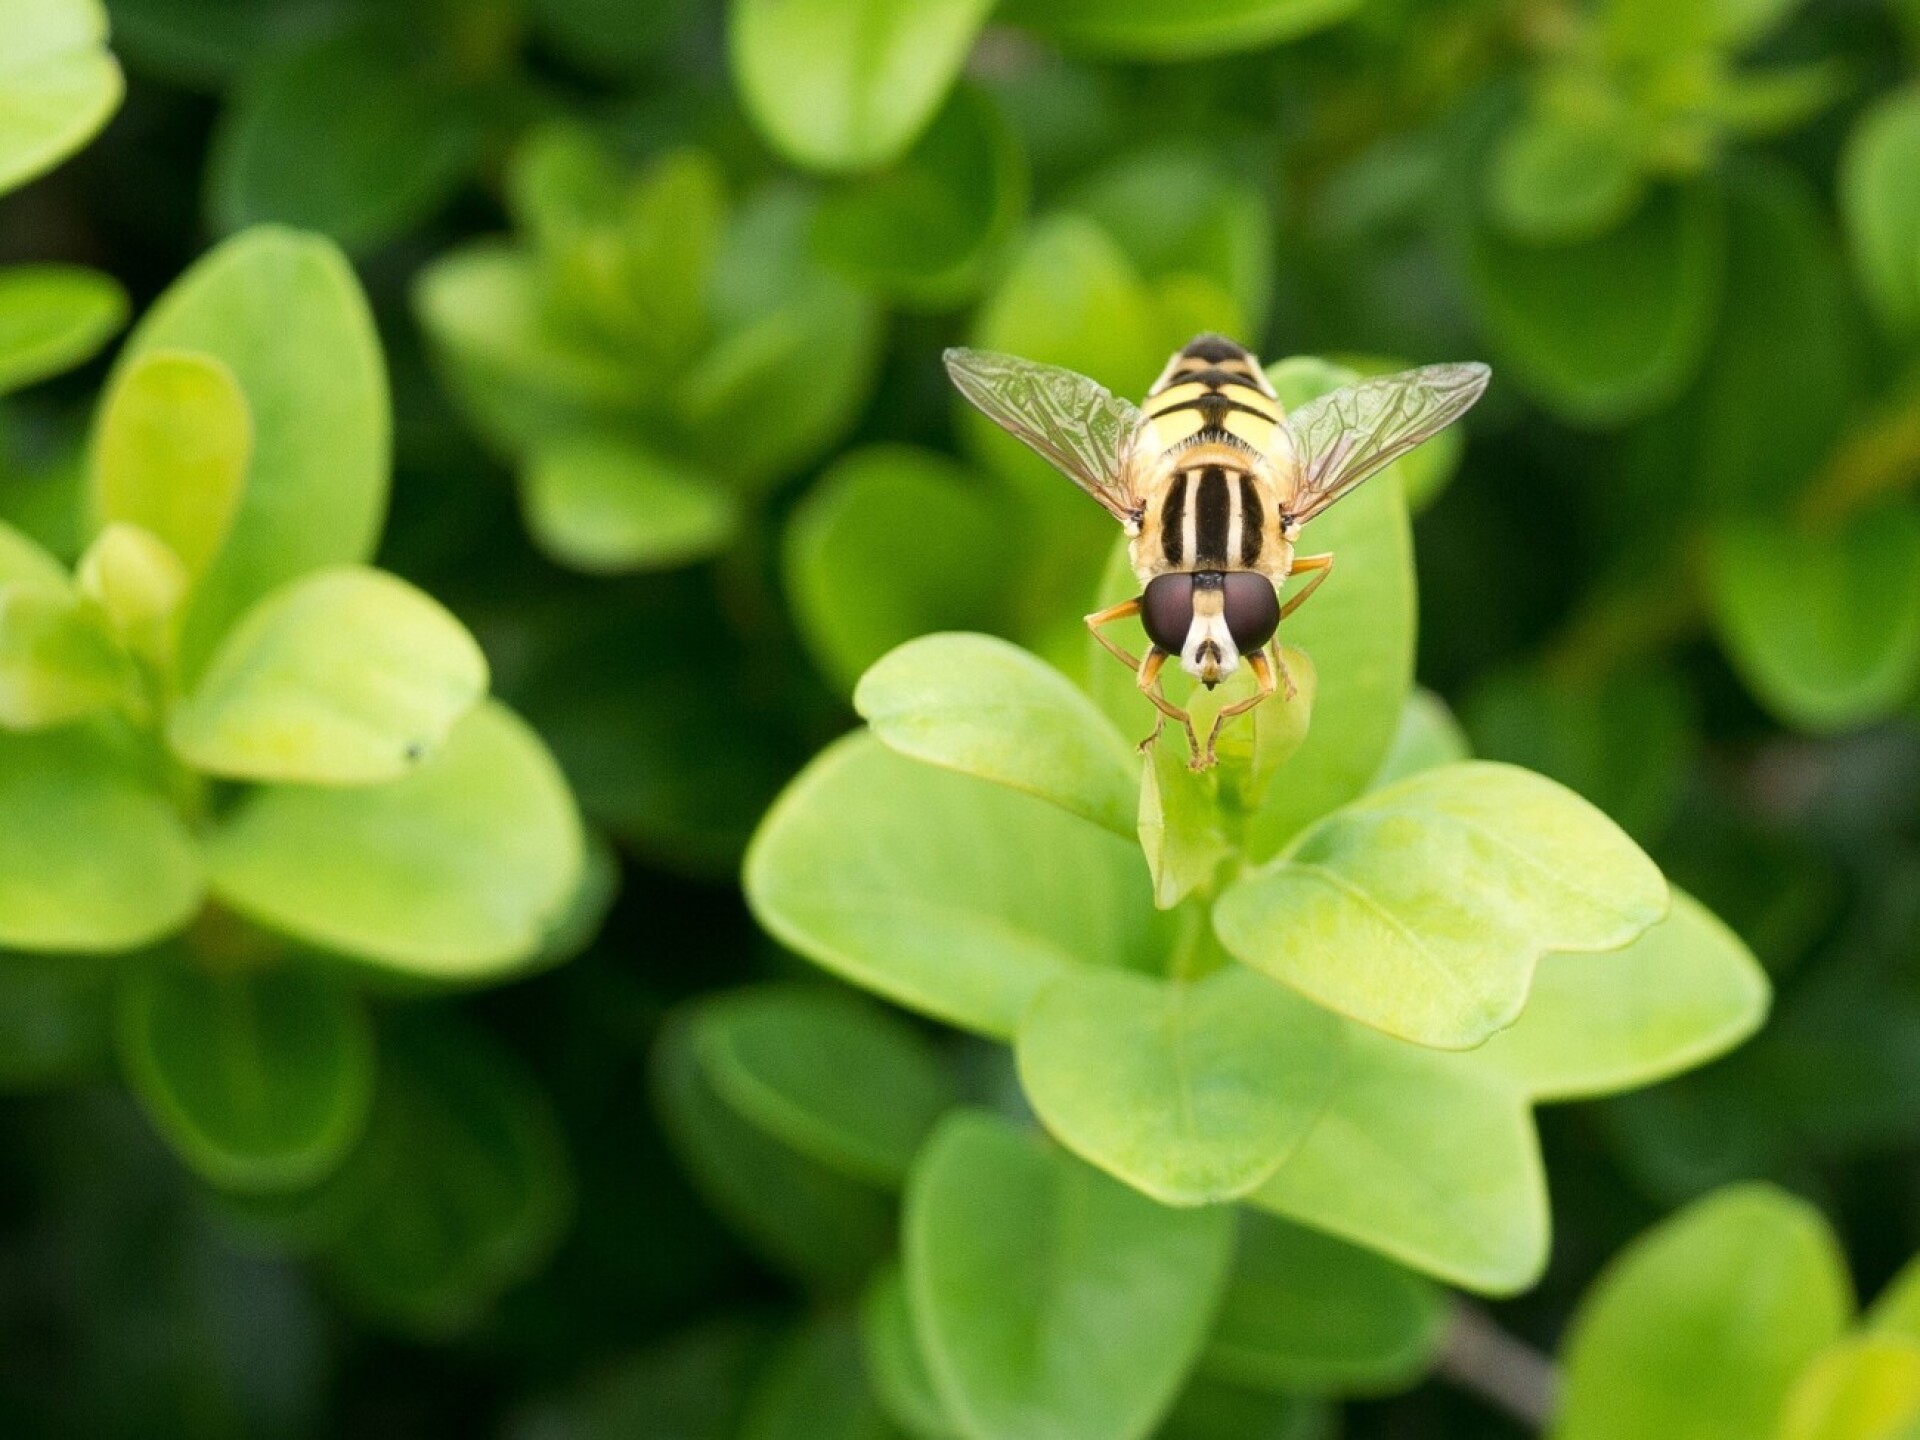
(1252, 610)
(1166, 610)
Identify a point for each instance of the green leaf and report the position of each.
(987, 708)
(1861, 1389)
(1428, 737)
(347, 676)
(1180, 209)
(1427, 1158)
(1700, 1327)
(1880, 202)
(460, 1188)
(944, 893)
(1782, 374)
(171, 452)
(1556, 180)
(1824, 627)
(1309, 1314)
(350, 136)
(1051, 1301)
(1422, 909)
(835, 1077)
(58, 84)
(810, 1220)
(924, 229)
(58, 660)
(285, 314)
(1211, 1410)
(521, 377)
(92, 856)
(1191, 1091)
(1686, 991)
(1141, 30)
(893, 542)
(1605, 330)
(606, 507)
(138, 583)
(457, 872)
(848, 86)
(25, 559)
(1183, 833)
(796, 347)
(52, 317)
(259, 1079)
(814, 1388)
(895, 1366)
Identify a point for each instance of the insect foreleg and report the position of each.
(1104, 617)
(1263, 671)
(1321, 565)
(1149, 682)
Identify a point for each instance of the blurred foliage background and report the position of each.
(661, 289)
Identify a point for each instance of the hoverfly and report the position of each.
(1212, 482)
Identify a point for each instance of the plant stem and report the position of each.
(1504, 1371)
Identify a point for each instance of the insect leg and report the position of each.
(1107, 616)
(1149, 682)
(1263, 671)
(1322, 565)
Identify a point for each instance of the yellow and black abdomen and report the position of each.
(1215, 415)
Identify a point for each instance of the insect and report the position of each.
(1212, 481)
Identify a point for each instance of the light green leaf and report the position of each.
(1428, 736)
(461, 1187)
(1182, 831)
(25, 559)
(1050, 1301)
(848, 86)
(1700, 1328)
(58, 84)
(457, 872)
(1608, 329)
(1686, 991)
(1427, 1158)
(833, 1076)
(895, 1367)
(605, 506)
(259, 1079)
(987, 708)
(1191, 1091)
(347, 676)
(284, 313)
(1554, 180)
(52, 317)
(1825, 627)
(58, 661)
(1309, 1314)
(811, 1221)
(171, 452)
(1867, 1388)
(138, 583)
(1422, 909)
(893, 542)
(347, 136)
(815, 1388)
(1142, 30)
(925, 229)
(944, 893)
(1897, 1311)
(1880, 202)
(92, 856)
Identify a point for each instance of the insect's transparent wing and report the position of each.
(1342, 438)
(1081, 428)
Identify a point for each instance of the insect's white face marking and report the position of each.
(1209, 655)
